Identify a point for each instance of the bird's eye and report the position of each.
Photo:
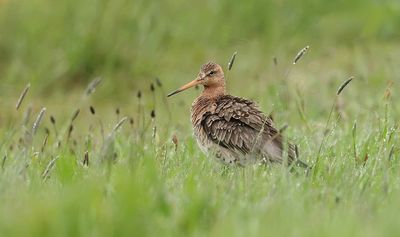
(211, 73)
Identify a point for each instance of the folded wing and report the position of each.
(237, 124)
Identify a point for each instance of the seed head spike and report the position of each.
(341, 88)
(232, 61)
(300, 54)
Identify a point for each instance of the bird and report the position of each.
(233, 129)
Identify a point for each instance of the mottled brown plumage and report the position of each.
(233, 129)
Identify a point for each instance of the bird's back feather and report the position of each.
(238, 128)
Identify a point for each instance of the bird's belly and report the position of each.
(221, 154)
(202, 140)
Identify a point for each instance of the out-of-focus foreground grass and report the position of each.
(134, 179)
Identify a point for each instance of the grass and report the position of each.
(113, 169)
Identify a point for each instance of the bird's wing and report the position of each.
(238, 124)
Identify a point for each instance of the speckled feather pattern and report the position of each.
(208, 66)
(236, 131)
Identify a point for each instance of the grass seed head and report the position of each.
(92, 110)
(391, 153)
(175, 141)
(52, 119)
(153, 113)
(45, 142)
(388, 89)
(38, 121)
(75, 115)
(46, 172)
(158, 82)
(232, 61)
(4, 161)
(119, 124)
(366, 157)
(86, 159)
(341, 88)
(152, 88)
(22, 96)
(70, 129)
(300, 54)
(92, 86)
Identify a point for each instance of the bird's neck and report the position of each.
(213, 91)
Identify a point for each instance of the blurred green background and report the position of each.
(61, 45)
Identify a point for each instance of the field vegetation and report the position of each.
(91, 146)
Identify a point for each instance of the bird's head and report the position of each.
(211, 75)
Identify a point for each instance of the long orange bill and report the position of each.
(187, 86)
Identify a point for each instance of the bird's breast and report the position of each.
(199, 108)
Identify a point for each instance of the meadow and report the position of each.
(91, 146)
